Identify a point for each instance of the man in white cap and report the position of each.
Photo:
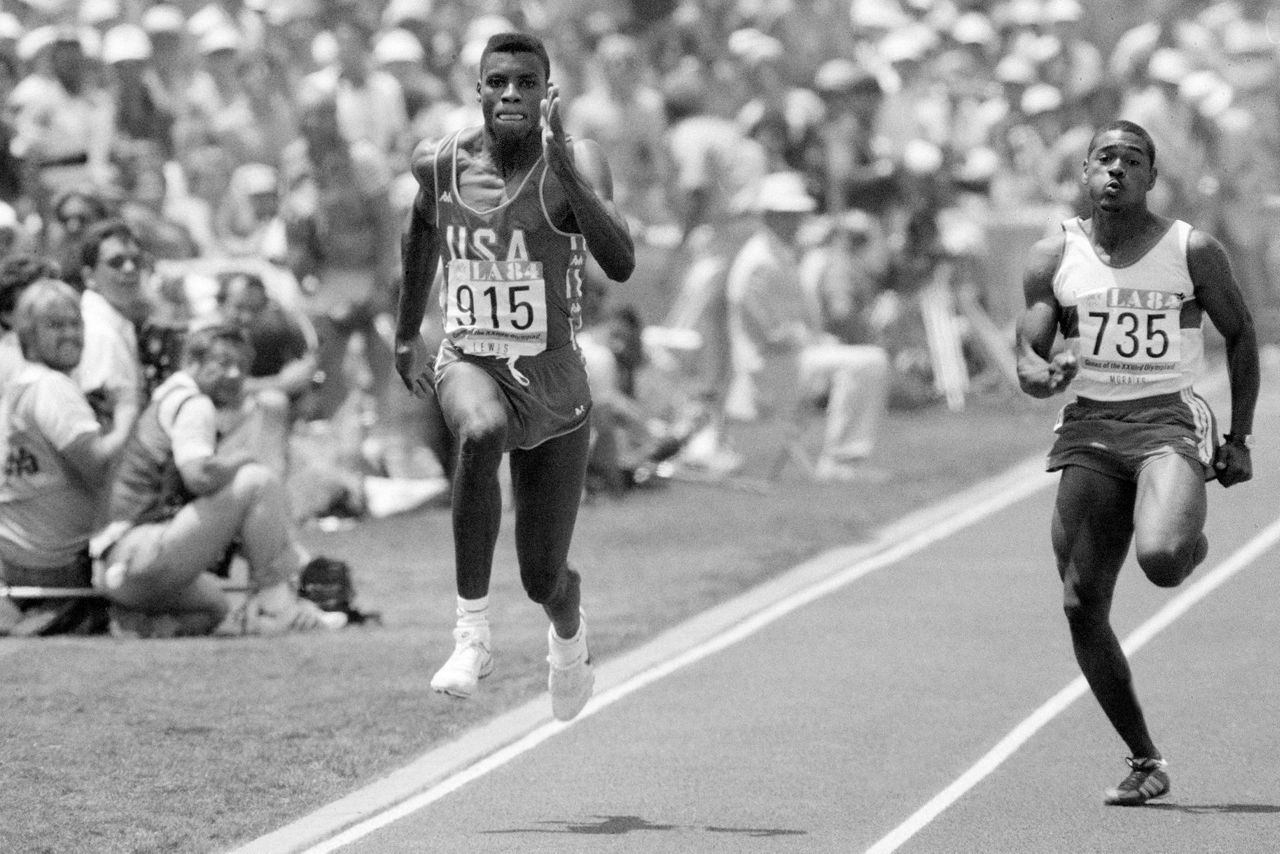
(171, 51)
(143, 108)
(64, 126)
(796, 111)
(237, 15)
(401, 54)
(857, 166)
(776, 336)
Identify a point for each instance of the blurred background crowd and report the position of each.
(259, 151)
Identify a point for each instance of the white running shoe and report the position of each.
(570, 684)
(471, 661)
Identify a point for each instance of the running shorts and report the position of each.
(554, 400)
(1119, 437)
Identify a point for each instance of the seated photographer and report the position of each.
(181, 501)
(56, 456)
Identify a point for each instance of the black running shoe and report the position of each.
(1147, 781)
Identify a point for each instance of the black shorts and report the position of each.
(1117, 438)
(556, 399)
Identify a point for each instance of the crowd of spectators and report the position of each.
(249, 159)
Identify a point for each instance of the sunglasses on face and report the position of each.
(117, 262)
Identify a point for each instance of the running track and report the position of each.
(916, 694)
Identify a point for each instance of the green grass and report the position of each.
(195, 745)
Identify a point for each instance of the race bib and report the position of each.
(1130, 336)
(496, 308)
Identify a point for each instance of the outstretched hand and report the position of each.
(415, 366)
(555, 142)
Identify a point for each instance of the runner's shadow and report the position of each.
(1218, 809)
(621, 825)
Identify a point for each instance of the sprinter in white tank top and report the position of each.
(1127, 289)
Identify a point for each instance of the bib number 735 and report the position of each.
(1129, 337)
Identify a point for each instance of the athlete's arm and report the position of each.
(419, 256)
(588, 185)
(1220, 297)
(1039, 373)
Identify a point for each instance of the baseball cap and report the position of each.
(399, 11)
(921, 157)
(783, 192)
(1168, 65)
(254, 178)
(973, 28)
(125, 43)
(1041, 98)
(877, 15)
(1243, 37)
(10, 27)
(163, 18)
(1207, 92)
(1059, 11)
(398, 45)
(844, 75)
(1015, 68)
(908, 43)
(34, 41)
(95, 12)
(220, 38)
(754, 47)
(1023, 13)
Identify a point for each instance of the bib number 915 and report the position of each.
(517, 312)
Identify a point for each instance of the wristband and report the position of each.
(1239, 440)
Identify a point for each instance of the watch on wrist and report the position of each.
(1243, 440)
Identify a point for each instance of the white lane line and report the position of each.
(969, 508)
(1023, 732)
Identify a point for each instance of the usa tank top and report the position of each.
(1136, 329)
(513, 279)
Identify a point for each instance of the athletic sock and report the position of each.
(565, 651)
(473, 612)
